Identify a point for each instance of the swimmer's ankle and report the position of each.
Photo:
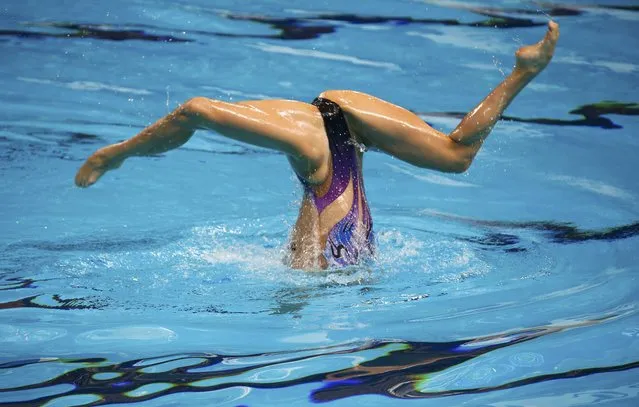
(534, 58)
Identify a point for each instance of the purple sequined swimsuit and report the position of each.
(351, 240)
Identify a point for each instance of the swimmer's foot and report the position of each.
(103, 160)
(534, 58)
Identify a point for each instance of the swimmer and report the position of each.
(324, 143)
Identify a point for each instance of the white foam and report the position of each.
(311, 337)
(311, 53)
(432, 178)
(452, 3)
(300, 11)
(222, 247)
(597, 187)
(462, 260)
(611, 271)
(32, 334)
(403, 247)
(374, 27)
(448, 216)
(519, 130)
(246, 256)
(618, 67)
(482, 67)
(620, 14)
(86, 85)
(136, 333)
(567, 292)
(441, 260)
(468, 40)
(545, 87)
(231, 92)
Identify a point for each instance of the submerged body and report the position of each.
(320, 140)
(334, 227)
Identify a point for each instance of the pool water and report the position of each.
(514, 284)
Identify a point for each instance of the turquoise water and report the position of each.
(513, 284)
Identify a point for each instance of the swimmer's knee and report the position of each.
(199, 109)
(195, 106)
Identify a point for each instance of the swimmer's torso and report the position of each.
(334, 227)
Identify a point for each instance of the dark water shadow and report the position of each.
(592, 115)
(567, 233)
(16, 283)
(555, 232)
(55, 302)
(307, 27)
(537, 8)
(287, 28)
(106, 32)
(91, 244)
(311, 27)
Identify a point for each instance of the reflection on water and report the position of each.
(308, 27)
(398, 369)
(593, 115)
(88, 288)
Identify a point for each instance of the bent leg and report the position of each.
(404, 135)
(294, 128)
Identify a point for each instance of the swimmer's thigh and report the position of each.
(399, 132)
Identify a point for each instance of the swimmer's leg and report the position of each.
(294, 128)
(404, 135)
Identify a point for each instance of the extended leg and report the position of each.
(531, 60)
(404, 135)
(294, 128)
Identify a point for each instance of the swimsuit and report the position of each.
(351, 239)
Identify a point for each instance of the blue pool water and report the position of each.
(514, 284)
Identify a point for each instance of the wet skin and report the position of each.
(297, 130)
